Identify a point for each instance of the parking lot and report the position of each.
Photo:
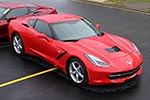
(51, 86)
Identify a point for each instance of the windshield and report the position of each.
(74, 30)
(3, 11)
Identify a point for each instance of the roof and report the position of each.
(54, 18)
(13, 5)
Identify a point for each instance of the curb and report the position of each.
(115, 6)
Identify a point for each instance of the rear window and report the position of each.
(32, 9)
(32, 22)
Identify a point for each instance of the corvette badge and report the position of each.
(129, 62)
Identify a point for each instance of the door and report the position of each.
(42, 43)
(4, 24)
(3, 30)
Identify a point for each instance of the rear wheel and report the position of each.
(17, 44)
(77, 72)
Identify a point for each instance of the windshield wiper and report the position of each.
(70, 40)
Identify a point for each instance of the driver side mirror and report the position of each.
(11, 18)
(97, 26)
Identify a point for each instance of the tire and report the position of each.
(17, 44)
(77, 72)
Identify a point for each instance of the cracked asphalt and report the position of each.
(51, 86)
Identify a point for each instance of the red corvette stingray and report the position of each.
(9, 9)
(75, 46)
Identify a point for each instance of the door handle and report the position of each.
(43, 37)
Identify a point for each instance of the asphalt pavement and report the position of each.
(50, 86)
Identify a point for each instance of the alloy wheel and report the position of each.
(17, 44)
(76, 72)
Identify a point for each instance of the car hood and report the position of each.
(107, 47)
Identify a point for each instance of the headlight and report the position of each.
(96, 61)
(136, 48)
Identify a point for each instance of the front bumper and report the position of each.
(106, 78)
(124, 74)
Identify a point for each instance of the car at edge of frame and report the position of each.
(13, 9)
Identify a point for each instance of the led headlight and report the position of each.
(136, 48)
(96, 61)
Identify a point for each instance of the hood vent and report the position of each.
(113, 49)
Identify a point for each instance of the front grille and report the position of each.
(124, 74)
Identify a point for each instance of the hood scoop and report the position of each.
(113, 49)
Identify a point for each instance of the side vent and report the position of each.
(61, 55)
(26, 25)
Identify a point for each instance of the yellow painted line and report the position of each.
(109, 6)
(26, 77)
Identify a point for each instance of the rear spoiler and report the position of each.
(43, 7)
(53, 10)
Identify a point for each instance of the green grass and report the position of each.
(136, 1)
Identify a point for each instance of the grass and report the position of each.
(136, 1)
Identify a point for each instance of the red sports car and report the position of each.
(9, 9)
(74, 45)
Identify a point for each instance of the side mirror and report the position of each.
(43, 36)
(97, 26)
(11, 18)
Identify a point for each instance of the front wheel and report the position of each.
(77, 72)
(17, 44)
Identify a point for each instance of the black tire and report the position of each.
(77, 72)
(17, 44)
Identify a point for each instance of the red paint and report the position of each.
(48, 49)
(41, 10)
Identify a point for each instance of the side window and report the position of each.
(32, 9)
(43, 27)
(32, 22)
(17, 12)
